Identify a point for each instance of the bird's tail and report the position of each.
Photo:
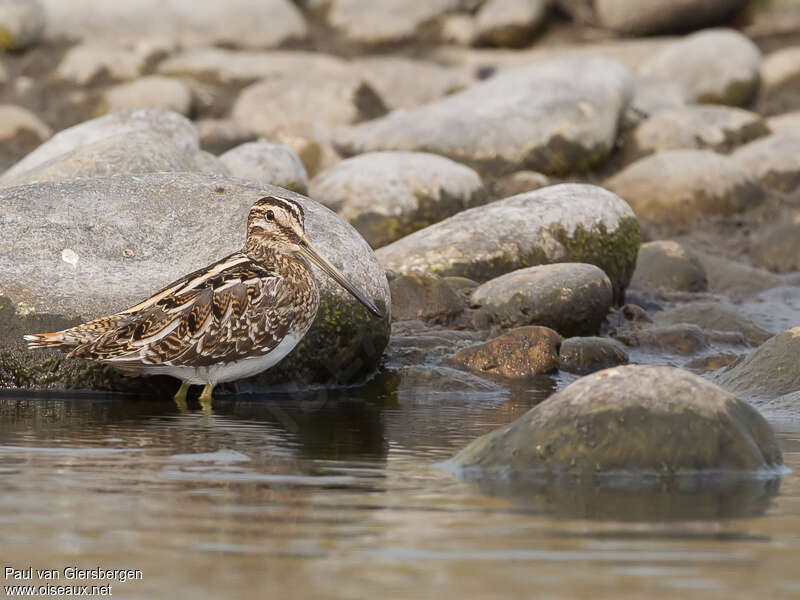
(74, 336)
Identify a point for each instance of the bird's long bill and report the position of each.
(308, 250)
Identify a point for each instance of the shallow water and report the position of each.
(338, 495)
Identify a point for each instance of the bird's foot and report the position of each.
(206, 398)
(180, 396)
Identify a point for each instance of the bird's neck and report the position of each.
(274, 259)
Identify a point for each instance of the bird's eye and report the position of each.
(270, 215)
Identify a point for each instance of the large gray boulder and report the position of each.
(670, 190)
(646, 420)
(571, 298)
(717, 66)
(562, 223)
(89, 247)
(243, 23)
(556, 116)
(133, 141)
(386, 195)
(638, 17)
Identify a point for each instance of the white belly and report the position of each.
(231, 371)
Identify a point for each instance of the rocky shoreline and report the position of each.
(525, 187)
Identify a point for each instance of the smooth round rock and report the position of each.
(715, 66)
(672, 189)
(583, 355)
(780, 82)
(562, 223)
(150, 92)
(785, 123)
(718, 128)
(509, 22)
(635, 418)
(517, 354)
(217, 136)
(682, 339)
(734, 279)
(771, 370)
(571, 298)
(774, 161)
(778, 247)
(21, 23)
(265, 162)
(20, 129)
(90, 247)
(84, 64)
(424, 297)
(665, 264)
(644, 17)
(520, 182)
(556, 116)
(240, 23)
(134, 141)
(716, 317)
(386, 195)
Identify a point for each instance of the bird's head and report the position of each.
(278, 225)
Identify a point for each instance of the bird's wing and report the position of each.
(230, 310)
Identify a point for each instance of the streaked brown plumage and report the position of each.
(232, 319)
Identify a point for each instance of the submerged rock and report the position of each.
(679, 339)
(557, 116)
(517, 354)
(716, 317)
(265, 162)
(772, 370)
(715, 66)
(665, 264)
(671, 189)
(562, 223)
(134, 141)
(425, 297)
(649, 420)
(571, 298)
(584, 355)
(100, 245)
(386, 195)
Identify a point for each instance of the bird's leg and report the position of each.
(206, 397)
(180, 396)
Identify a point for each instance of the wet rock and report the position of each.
(220, 135)
(637, 17)
(372, 24)
(265, 162)
(706, 364)
(665, 264)
(771, 370)
(517, 354)
(731, 278)
(774, 161)
(86, 63)
(425, 383)
(424, 297)
(716, 317)
(404, 82)
(650, 420)
(240, 23)
(415, 342)
(150, 92)
(670, 190)
(716, 66)
(778, 247)
(21, 130)
(584, 355)
(21, 23)
(137, 141)
(225, 66)
(519, 183)
(386, 195)
(512, 121)
(96, 248)
(509, 22)
(786, 123)
(719, 128)
(780, 82)
(571, 298)
(679, 339)
(568, 222)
